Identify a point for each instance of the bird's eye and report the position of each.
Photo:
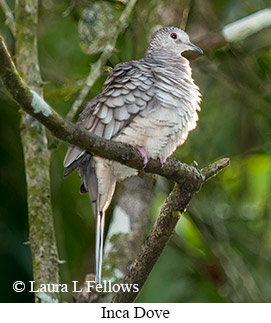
(173, 36)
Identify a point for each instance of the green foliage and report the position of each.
(221, 249)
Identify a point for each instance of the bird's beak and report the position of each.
(196, 48)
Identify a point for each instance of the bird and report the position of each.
(152, 104)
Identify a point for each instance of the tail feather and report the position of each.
(73, 153)
(99, 181)
(99, 246)
(90, 184)
(81, 160)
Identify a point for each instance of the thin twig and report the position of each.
(97, 68)
(214, 168)
(185, 14)
(10, 21)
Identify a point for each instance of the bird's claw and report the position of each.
(143, 154)
(162, 160)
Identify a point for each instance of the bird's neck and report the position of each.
(169, 60)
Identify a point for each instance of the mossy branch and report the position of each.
(170, 213)
(36, 155)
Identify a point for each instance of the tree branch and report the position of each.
(170, 213)
(242, 28)
(10, 22)
(37, 158)
(97, 68)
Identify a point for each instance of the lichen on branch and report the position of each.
(36, 155)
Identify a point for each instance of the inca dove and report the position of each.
(150, 103)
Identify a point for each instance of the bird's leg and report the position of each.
(143, 154)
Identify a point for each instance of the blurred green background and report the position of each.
(222, 246)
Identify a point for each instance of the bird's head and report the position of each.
(172, 40)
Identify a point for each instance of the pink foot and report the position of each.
(144, 154)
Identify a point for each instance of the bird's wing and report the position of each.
(127, 91)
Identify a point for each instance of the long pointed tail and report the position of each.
(99, 246)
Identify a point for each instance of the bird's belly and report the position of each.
(158, 131)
